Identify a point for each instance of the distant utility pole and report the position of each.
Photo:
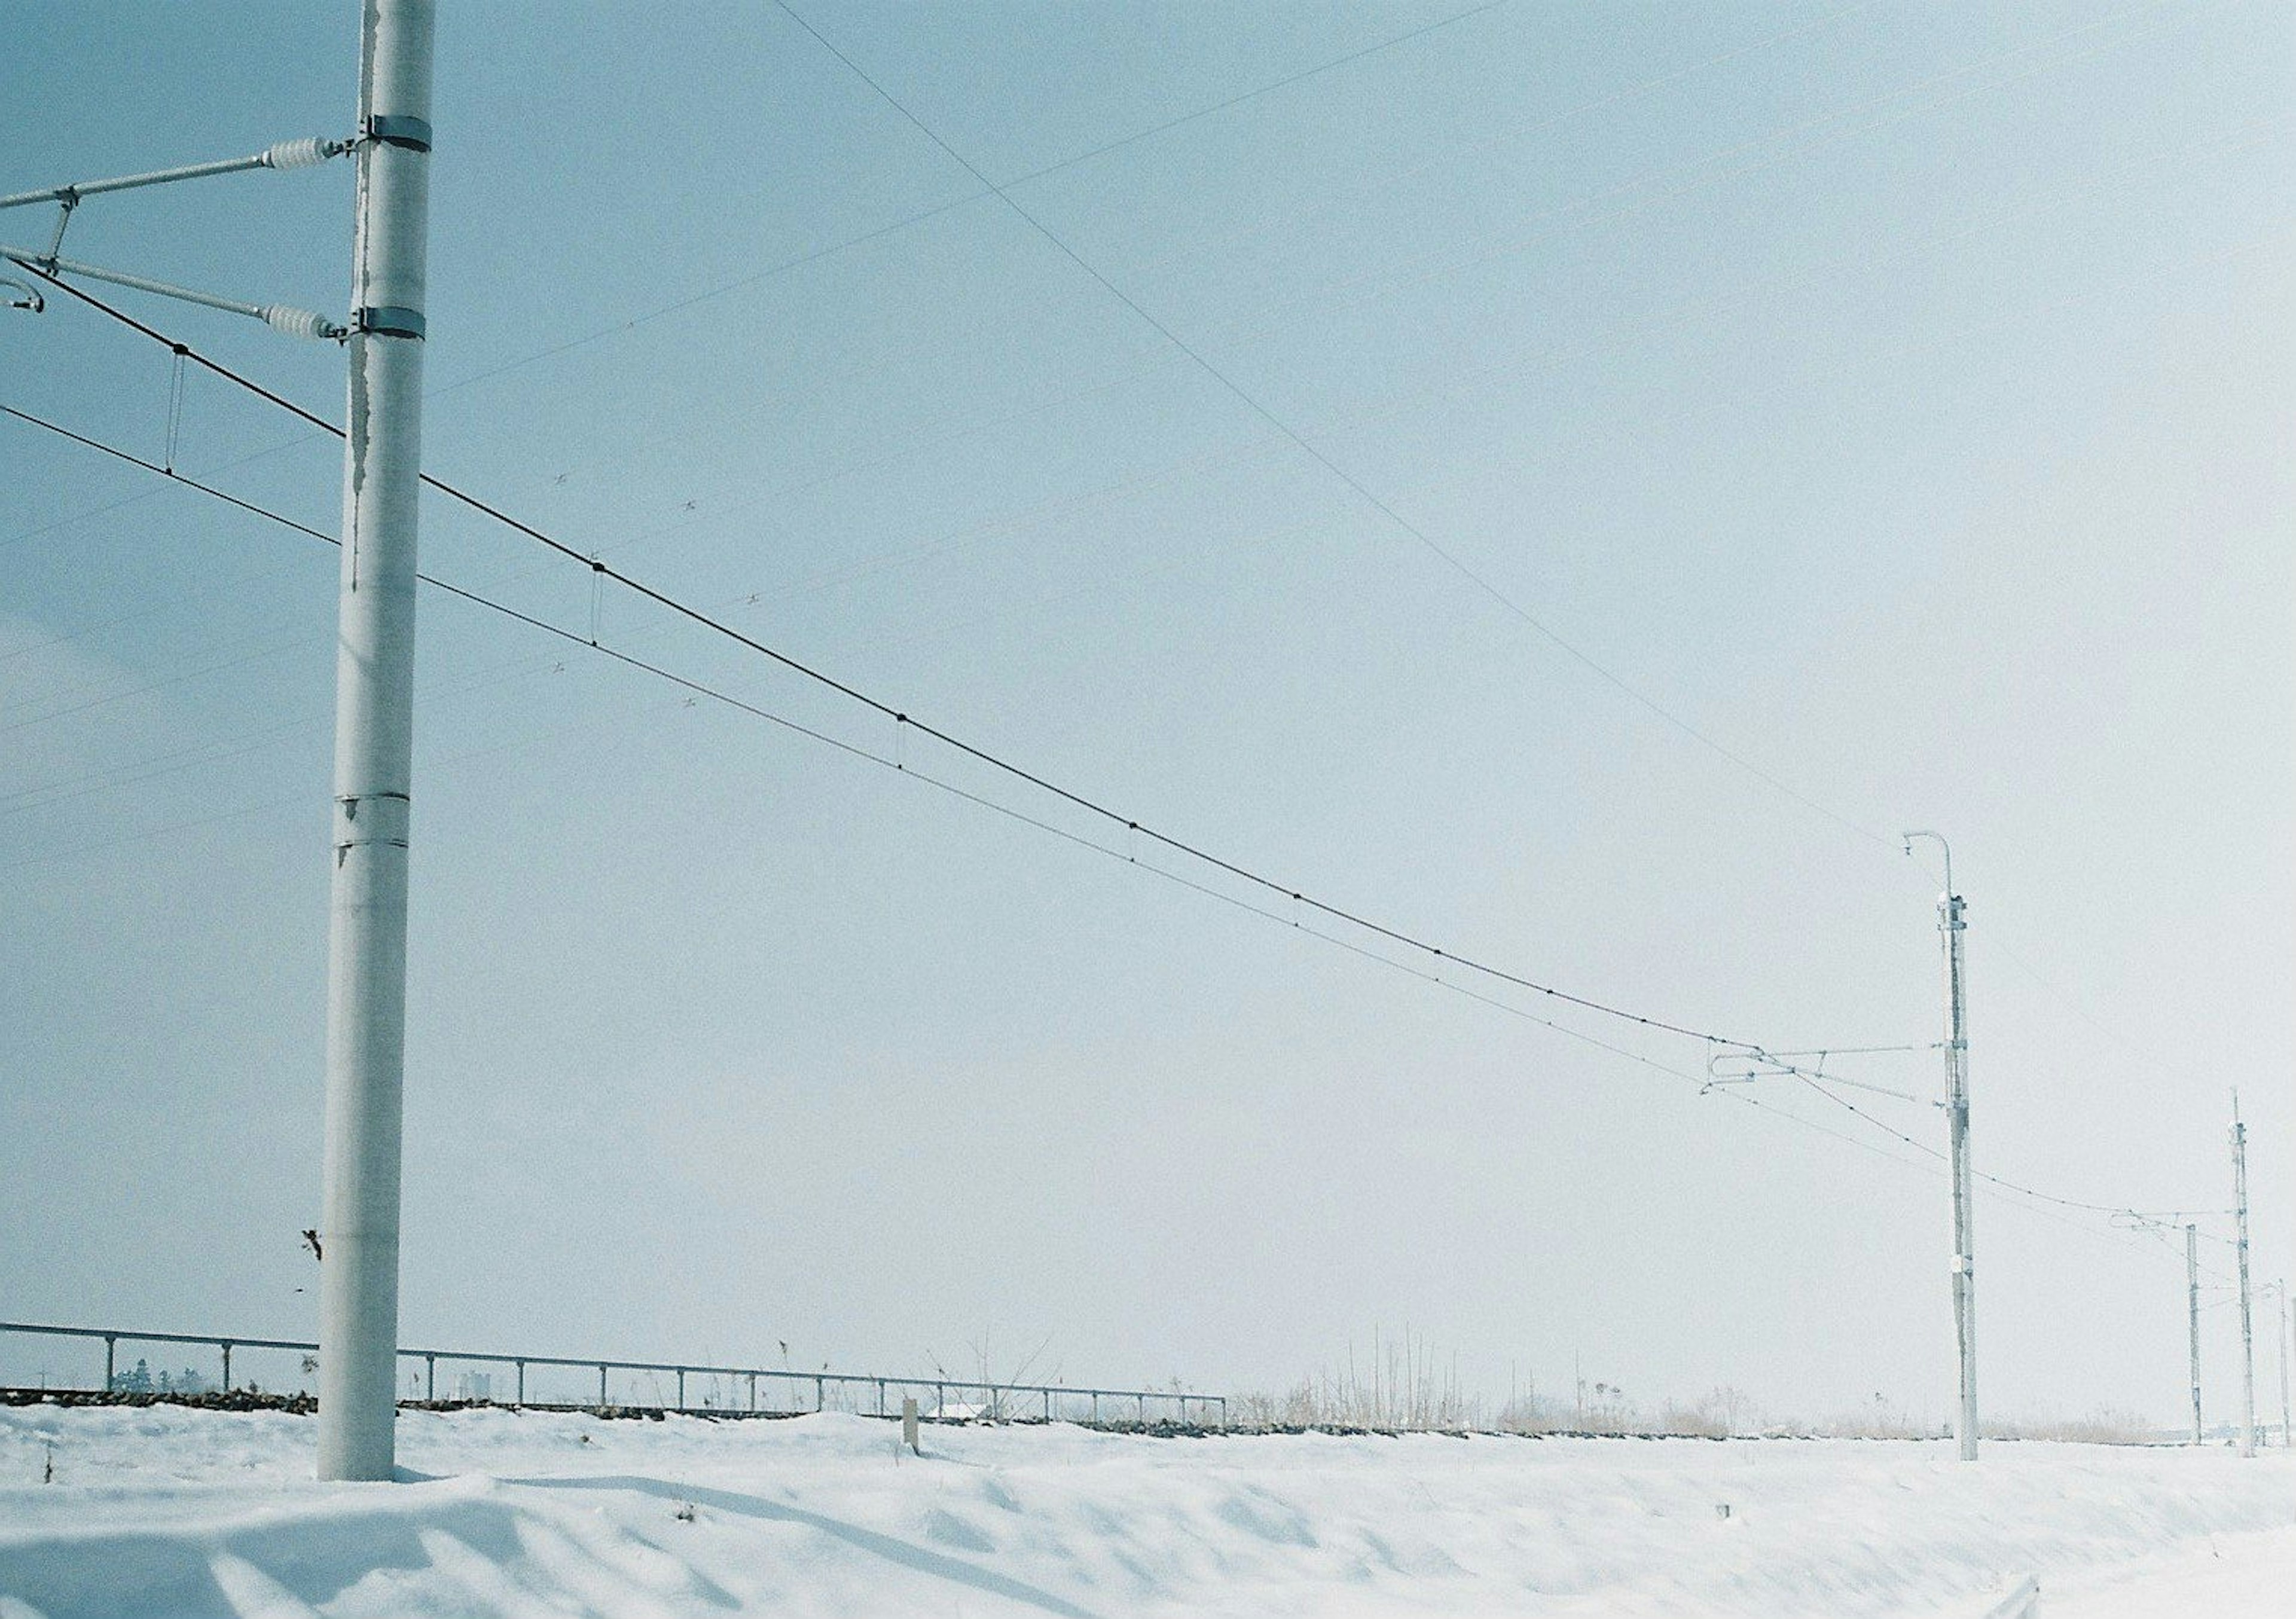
(2247, 1332)
(1951, 926)
(2287, 1343)
(374, 730)
(2280, 1351)
(2192, 1320)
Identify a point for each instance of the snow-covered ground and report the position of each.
(182, 1513)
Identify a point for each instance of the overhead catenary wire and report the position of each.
(719, 694)
(600, 569)
(562, 549)
(902, 719)
(996, 761)
(2000, 1185)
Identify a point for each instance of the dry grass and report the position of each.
(1407, 1389)
(2100, 1426)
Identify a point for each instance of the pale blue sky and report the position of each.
(1897, 395)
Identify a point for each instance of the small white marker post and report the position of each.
(909, 1423)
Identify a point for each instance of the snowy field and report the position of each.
(185, 1513)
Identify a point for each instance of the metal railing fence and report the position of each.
(723, 1390)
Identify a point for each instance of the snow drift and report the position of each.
(188, 1514)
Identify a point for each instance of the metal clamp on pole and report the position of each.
(389, 321)
(397, 129)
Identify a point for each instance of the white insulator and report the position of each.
(300, 322)
(301, 154)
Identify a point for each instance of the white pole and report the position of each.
(1964, 1278)
(2280, 1354)
(2192, 1320)
(2247, 1329)
(366, 964)
(1950, 928)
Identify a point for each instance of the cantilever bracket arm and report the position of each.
(280, 318)
(286, 154)
(302, 153)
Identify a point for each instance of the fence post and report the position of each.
(940, 1400)
(111, 1375)
(1144, 1409)
(430, 1378)
(522, 1384)
(1048, 1405)
(880, 1397)
(681, 1388)
(226, 1366)
(753, 1391)
(819, 1392)
(1096, 1407)
(601, 1385)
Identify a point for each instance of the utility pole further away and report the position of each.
(2192, 1319)
(374, 731)
(2287, 1343)
(2247, 1329)
(2280, 1351)
(1951, 926)
(1964, 1277)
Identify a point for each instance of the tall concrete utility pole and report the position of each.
(2247, 1328)
(374, 730)
(2192, 1320)
(1951, 926)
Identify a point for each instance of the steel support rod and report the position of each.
(366, 962)
(141, 283)
(282, 317)
(287, 154)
